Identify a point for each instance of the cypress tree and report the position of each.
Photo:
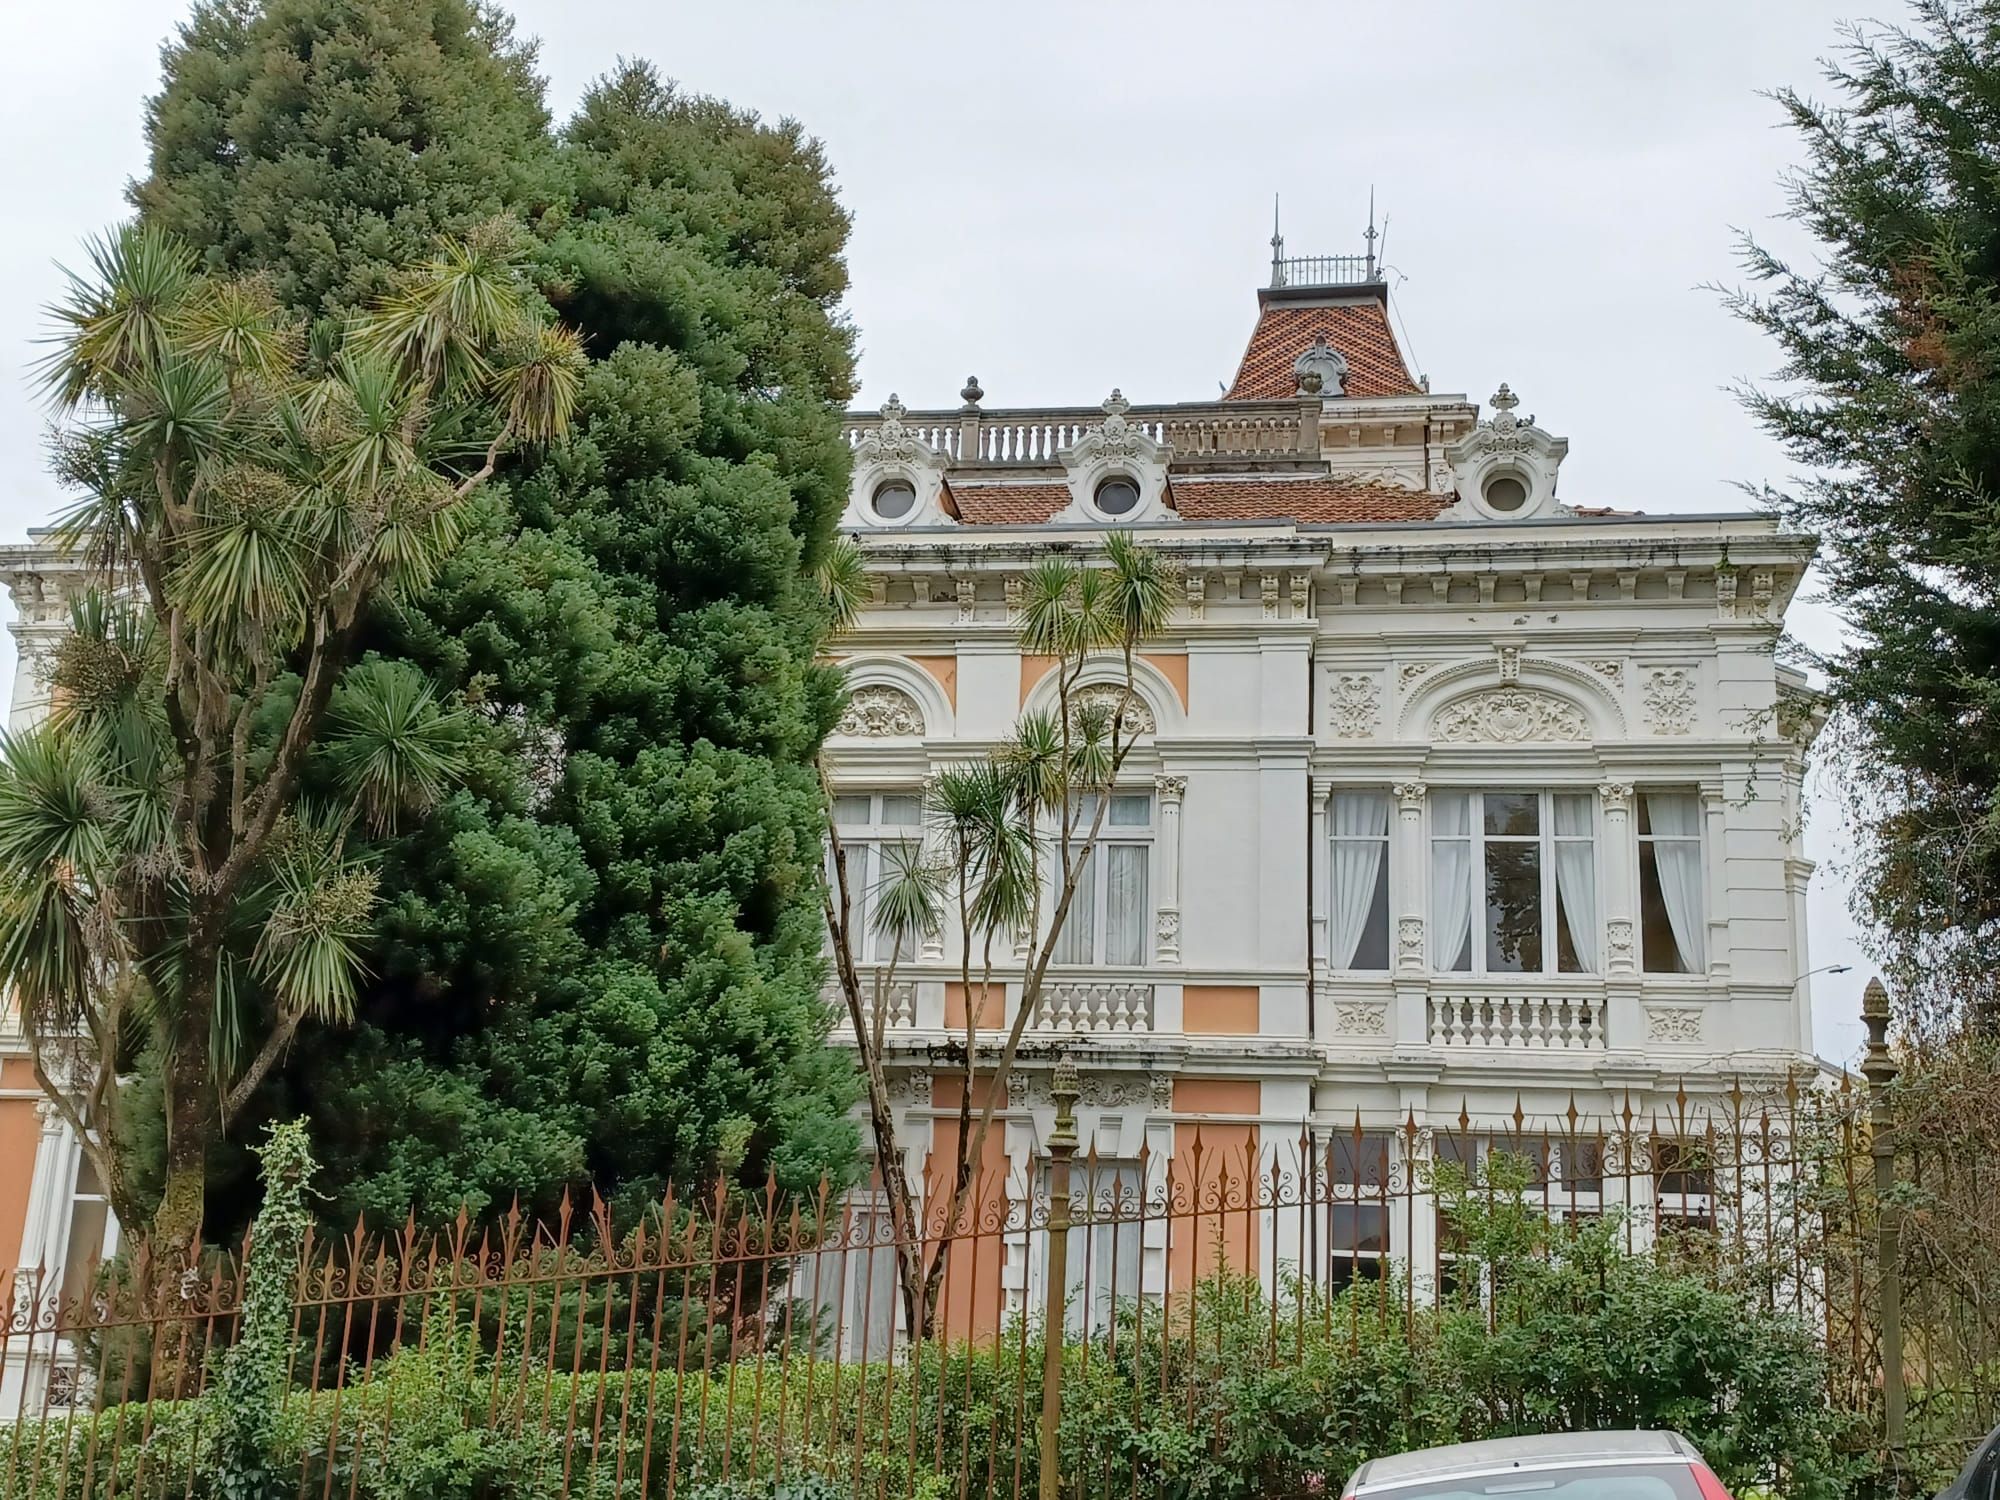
(1890, 401)
(599, 963)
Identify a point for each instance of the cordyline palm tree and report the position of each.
(1009, 841)
(184, 860)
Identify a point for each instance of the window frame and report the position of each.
(1642, 837)
(872, 836)
(1129, 835)
(1385, 879)
(1544, 841)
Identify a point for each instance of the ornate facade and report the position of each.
(1452, 800)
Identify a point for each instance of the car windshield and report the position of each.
(1583, 1481)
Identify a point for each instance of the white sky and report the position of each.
(1062, 198)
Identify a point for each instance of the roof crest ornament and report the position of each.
(1321, 370)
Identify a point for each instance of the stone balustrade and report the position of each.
(1035, 437)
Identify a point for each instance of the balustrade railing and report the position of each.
(1036, 437)
(1552, 1023)
(1095, 1006)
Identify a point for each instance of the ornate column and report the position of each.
(1171, 791)
(1714, 848)
(1320, 855)
(1408, 873)
(1619, 853)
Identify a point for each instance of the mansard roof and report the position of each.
(1306, 498)
(1355, 322)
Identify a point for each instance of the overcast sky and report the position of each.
(1061, 198)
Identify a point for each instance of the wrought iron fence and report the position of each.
(762, 1339)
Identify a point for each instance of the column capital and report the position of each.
(1409, 795)
(1617, 796)
(1170, 788)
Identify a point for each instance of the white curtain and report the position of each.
(1576, 876)
(1360, 834)
(1125, 904)
(1451, 880)
(1674, 819)
(1078, 939)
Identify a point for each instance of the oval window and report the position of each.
(1117, 496)
(1506, 492)
(894, 499)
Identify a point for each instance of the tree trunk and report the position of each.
(191, 1111)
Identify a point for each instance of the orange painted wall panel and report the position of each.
(20, 1135)
(1213, 1159)
(970, 1297)
(1174, 668)
(991, 999)
(945, 670)
(1219, 1009)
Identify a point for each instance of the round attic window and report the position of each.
(894, 499)
(1117, 496)
(1506, 493)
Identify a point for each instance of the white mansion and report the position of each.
(1451, 797)
(1452, 800)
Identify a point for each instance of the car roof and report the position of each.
(1523, 1452)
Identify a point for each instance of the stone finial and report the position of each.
(1878, 1065)
(1063, 1093)
(893, 409)
(971, 394)
(1504, 399)
(1115, 404)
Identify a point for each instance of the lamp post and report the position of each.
(1878, 1066)
(1822, 969)
(1062, 1148)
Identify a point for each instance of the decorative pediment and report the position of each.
(891, 441)
(1115, 439)
(1505, 467)
(878, 711)
(1509, 716)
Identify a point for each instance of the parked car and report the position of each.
(1980, 1478)
(1555, 1466)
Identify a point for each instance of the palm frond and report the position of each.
(440, 323)
(540, 381)
(394, 747)
(237, 322)
(115, 321)
(909, 898)
(843, 583)
(309, 955)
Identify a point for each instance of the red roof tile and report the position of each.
(992, 504)
(1313, 498)
(1285, 330)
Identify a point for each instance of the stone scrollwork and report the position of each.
(1619, 934)
(1354, 706)
(1137, 718)
(1509, 716)
(1669, 699)
(1356, 1018)
(878, 711)
(1410, 938)
(1676, 1024)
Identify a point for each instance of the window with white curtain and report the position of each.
(869, 824)
(1513, 882)
(1357, 928)
(1111, 913)
(1106, 1248)
(1673, 926)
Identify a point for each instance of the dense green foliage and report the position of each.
(1889, 398)
(598, 963)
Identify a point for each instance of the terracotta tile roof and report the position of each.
(992, 504)
(1312, 498)
(1285, 330)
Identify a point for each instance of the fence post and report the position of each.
(1879, 1068)
(1062, 1147)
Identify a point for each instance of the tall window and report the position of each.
(1357, 1229)
(1358, 917)
(1530, 860)
(871, 823)
(1105, 1251)
(1673, 936)
(1112, 910)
